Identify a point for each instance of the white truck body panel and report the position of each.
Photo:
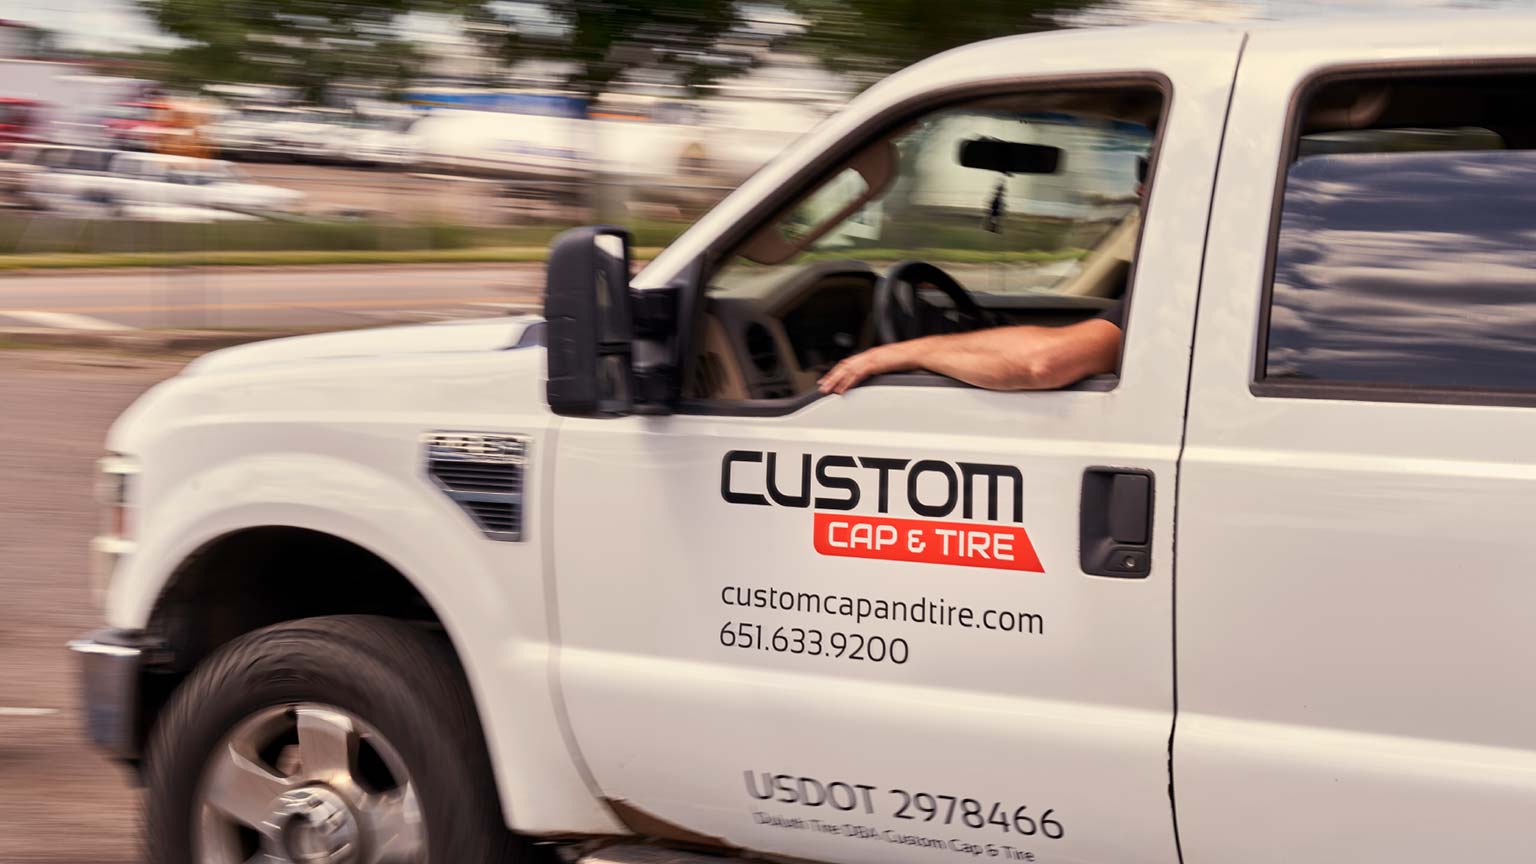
(1349, 631)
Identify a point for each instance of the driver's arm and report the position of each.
(1003, 358)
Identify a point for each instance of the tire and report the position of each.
(386, 680)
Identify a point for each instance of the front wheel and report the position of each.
(339, 740)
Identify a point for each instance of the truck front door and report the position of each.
(889, 626)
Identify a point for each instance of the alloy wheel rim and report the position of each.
(307, 784)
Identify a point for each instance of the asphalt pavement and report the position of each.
(256, 298)
(61, 802)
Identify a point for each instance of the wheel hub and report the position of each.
(318, 827)
(315, 785)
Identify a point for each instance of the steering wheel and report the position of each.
(901, 315)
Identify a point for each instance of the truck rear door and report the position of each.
(913, 622)
(1354, 593)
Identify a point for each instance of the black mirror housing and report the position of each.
(590, 328)
(1009, 157)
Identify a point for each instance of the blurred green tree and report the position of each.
(869, 39)
(686, 42)
(307, 44)
(314, 44)
(695, 42)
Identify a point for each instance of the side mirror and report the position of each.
(590, 329)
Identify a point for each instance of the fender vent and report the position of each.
(483, 473)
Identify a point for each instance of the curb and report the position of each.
(142, 341)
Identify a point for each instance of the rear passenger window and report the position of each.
(88, 160)
(1405, 255)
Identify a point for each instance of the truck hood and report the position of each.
(470, 335)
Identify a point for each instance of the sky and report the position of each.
(118, 24)
(93, 25)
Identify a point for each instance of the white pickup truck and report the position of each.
(622, 582)
(123, 180)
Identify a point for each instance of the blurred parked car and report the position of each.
(370, 142)
(268, 133)
(116, 180)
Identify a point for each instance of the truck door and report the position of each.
(916, 621)
(1353, 592)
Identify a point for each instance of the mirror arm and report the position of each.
(655, 390)
(658, 384)
(655, 312)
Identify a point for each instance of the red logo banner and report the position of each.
(924, 541)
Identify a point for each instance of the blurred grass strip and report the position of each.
(25, 233)
(483, 255)
(288, 258)
(33, 241)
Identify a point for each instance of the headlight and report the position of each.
(115, 493)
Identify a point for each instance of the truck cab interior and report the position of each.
(1019, 209)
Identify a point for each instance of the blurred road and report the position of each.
(60, 802)
(239, 297)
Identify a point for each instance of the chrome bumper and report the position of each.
(110, 661)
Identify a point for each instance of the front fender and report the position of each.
(490, 596)
(355, 503)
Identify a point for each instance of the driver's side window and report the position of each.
(1029, 202)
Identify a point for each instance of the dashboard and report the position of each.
(772, 340)
(828, 325)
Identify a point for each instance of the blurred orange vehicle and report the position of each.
(159, 126)
(181, 131)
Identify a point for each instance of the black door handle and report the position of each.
(1116, 522)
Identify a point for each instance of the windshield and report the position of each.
(1024, 230)
(200, 175)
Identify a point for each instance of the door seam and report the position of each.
(1178, 469)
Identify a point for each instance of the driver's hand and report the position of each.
(851, 370)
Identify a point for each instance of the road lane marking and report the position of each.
(61, 320)
(298, 306)
(27, 712)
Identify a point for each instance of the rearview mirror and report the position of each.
(1009, 157)
(590, 329)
